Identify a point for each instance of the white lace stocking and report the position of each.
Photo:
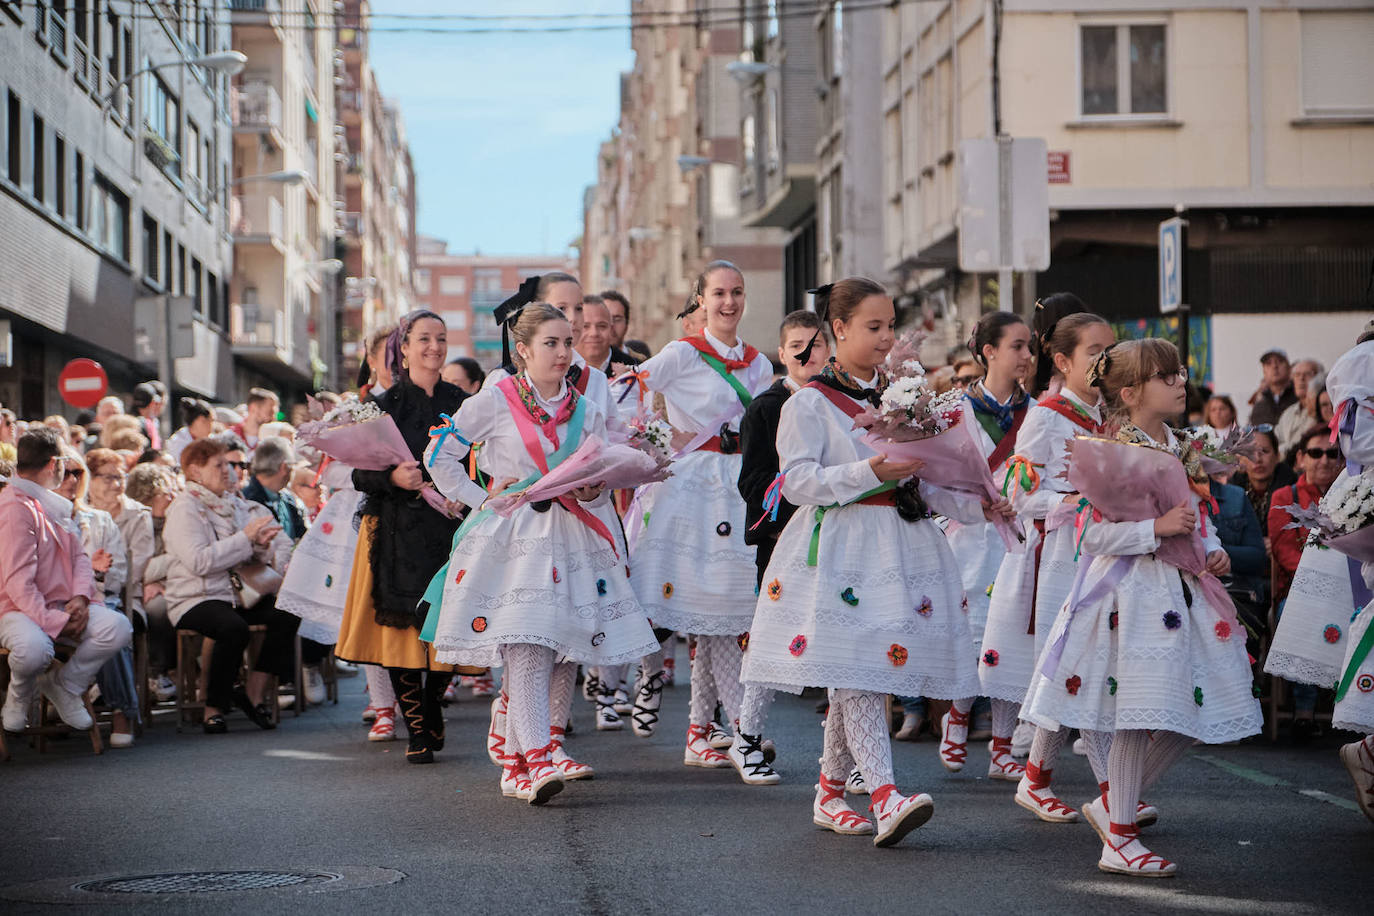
(379, 690)
(702, 706)
(836, 761)
(529, 669)
(1125, 772)
(1098, 745)
(1044, 751)
(1004, 713)
(1166, 749)
(725, 658)
(753, 710)
(561, 685)
(865, 731)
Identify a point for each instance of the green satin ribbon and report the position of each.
(820, 517)
(434, 592)
(719, 365)
(1362, 650)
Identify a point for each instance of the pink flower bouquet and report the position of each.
(365, 437)
(616, 466)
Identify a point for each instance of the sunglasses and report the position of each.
(1314, 453)
(238, 465)
(71, 473)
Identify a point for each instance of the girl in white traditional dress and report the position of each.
(560, 591)
(1154, 659)
(995, 407)
(1032, 585)
(692, 570)
(869, 602)
(1351, 386)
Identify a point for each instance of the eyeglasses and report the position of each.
(238, 465)
(966, 380)
(1172, 378)
(111, 478)
(1314, 453)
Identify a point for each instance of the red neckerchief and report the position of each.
(701, 344)
(1072, 412)
(838, 398)
(547, 425)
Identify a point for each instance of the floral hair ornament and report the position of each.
(1100, 367)
(506, 313)
(821, 303)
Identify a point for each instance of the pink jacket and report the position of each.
(42, 563)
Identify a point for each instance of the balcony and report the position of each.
(312, 162)
(353, 225)
(257, 109)
(257, 219)
(266, 338)
(255, 12)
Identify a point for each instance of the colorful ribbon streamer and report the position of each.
(442, 432)
(1023, 471)
(640, 380)
(1081, 516)
(812, 553)
(772, 499)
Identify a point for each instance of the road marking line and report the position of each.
(1264, 779)
(1329, 798)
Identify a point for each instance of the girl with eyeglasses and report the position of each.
(1144, 653)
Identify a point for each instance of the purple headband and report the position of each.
(393, 342)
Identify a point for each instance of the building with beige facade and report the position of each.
(378, 198)
(1254, 119)
(668, 197)
(282, 209)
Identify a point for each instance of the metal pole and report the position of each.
(1185, 305)
(1004, 240)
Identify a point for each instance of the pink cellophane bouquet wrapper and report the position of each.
(615, 465)
(953, 460)
(1344, 518)
(373, 444)
(1134, 483)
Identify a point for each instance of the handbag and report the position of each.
(253, 581)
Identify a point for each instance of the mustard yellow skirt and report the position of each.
(364, 641)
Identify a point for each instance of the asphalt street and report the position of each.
(1256, 829)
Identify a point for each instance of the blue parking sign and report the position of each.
(1171, 265)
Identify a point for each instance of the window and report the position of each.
(79, 191)
(150, 253)
(59, 174)
(197, 271)
(57, 26)
(772, 18)
(1122, 70)
(14, 132)
(195, 164)
(216, 303)
(40, 184)
(1337, 68)
(837, 39)
(751, 159)
(486, 280)
(180, 265)
(110, 218)
(457, 321)
(162, 117)
(422, 281)
(168, 250)
(452, 285)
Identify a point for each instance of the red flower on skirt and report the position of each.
(327, 527)
(1332, 633)
(897, 655)
(798, 646)
(479, 624)
(1072, 685)
(743, 640)
(1223, 630)
(991, 658)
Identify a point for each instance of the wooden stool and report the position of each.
(193, 666)
(39, 734)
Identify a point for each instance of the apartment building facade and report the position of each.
(378, 198)
(465, 289)
(282, 210)
(102, 204)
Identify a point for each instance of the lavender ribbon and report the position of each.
(1049, 666)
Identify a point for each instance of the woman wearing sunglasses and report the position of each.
(1313, 585)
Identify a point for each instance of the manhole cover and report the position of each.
(151, 887)
(200, 882)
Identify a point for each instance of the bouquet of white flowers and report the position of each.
(1344, 518)
(909, 408)
(652, 435)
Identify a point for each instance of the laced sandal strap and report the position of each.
(1051, 804)
(831, 789)
(1128, 831)
(1039, 779)
(879, 796)
(958, 718)
(957, 753)
(753, 744)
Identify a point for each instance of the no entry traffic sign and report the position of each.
(82, 383)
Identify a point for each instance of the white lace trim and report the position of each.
(1300, 670)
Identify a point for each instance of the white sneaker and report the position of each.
(69, 706)
(1021, 740)
(718, 737)
(900, 814)
(121, 739)
(345, 669)
(164, 688)
(15, 713)
(746, 756)
(314, 686)
(855, 784)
